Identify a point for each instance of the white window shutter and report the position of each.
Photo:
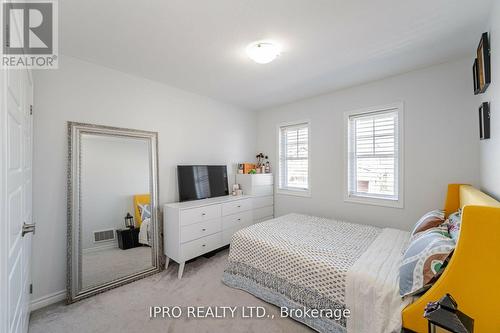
(373, 155)
(294, 157)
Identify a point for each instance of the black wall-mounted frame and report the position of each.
(484, 121)
(476, 78)
(482, 66)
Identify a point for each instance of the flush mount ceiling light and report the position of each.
(263, 52)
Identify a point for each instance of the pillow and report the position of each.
(423, 262)
(430, 220)
(144, 211)
(453, 223)
(441, 229)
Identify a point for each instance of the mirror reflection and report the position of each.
(115, 208)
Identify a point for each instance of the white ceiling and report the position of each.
(198, 45)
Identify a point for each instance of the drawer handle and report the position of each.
(203, 214)
(239, 219)
(204, 245)
(239, 206)
(203, 229)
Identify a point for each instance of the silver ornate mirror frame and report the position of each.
(74, 251)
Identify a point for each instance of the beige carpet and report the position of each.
(110, 264)
(126, 309)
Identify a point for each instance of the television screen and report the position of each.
(202, 181)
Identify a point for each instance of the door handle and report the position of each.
(27, 228)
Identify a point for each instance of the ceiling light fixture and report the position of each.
(263, 52)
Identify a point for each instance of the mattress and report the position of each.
(299, 261)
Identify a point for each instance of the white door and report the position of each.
(16, 131)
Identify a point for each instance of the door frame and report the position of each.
(3, 215)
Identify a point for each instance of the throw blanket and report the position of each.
(299, 261)
(144, 232)
(371, 291)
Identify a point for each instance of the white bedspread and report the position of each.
(372, 292)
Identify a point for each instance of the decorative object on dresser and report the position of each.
(128, 238)
(193, 228)
(263, 165)
(484, 121)
(236, 190)
(246, 167)
(261, 188)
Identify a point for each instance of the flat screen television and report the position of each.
(202, 181)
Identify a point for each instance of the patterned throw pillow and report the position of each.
(453, 223)
(145, 211)
(423, 262)
(441, 229)
(430, 220)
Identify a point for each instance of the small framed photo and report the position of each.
(484, 121)
(483, 64)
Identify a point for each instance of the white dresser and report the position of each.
(194, 228)
(261, 188)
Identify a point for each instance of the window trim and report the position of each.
(368, 199)
(288, 190)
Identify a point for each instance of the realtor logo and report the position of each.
(29, 38)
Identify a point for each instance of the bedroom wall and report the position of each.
(191, 129)
(490, 149)
(113, 171)
(440, 134)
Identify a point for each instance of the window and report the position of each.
(294, 159)
(374, 156)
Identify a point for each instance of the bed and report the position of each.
(473, 272)
(305, 262)
(298, 261)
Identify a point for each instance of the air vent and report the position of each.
(104, 235)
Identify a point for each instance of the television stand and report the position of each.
(194, 228)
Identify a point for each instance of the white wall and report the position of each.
(113, 170)
(441, 143)
(192, 129)
(490, 149)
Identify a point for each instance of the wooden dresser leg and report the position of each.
(181, 269)
(167, 260)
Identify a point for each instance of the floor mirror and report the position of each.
(113, 221)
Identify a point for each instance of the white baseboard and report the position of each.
(47, 300)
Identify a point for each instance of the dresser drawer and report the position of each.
(263, 190)
(201, 229)
(237, 220)
(194, 215)
(260, 213)
(200, 246)
(260, 202)
(237, 206)
(249, 181)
